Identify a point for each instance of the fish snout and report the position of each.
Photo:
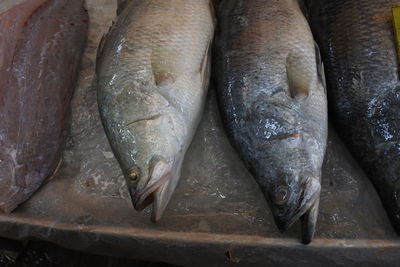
(293, 205)
(154, 192)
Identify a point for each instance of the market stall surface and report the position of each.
(217, 215)
(44, 254)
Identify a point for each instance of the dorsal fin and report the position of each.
(299, 75)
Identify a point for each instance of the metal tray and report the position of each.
(217, 215)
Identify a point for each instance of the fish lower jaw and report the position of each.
(284, 225)
(154, 194)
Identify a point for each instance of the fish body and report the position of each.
(358, 46)
(41, 42)
(153, 75)
(271, 92)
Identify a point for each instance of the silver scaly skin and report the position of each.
(153, 76)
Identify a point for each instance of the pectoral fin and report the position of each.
(163, 68)
(299, 75)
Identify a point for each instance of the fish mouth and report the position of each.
(157, 191)
(307, 210)
(154, 194)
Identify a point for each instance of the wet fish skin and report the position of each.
(121, 5)
(40, 51)
(273, 102)
(358, 46)
(153, 75)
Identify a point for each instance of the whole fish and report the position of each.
(271, 90)
(41, 42)
(153, 75)
(358, 45)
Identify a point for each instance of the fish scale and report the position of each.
(358, 46)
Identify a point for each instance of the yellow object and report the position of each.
(396, 26)
(133, 176)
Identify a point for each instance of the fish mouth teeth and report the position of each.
(308, 201)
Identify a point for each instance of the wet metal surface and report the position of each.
(217, 214)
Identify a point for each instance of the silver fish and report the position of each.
(270, 84)
(153, 75)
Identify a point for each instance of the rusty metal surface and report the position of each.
(217, 214)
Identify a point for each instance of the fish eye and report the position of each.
(133, 176)
(282, 195)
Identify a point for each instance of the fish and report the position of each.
(358, 46)
(40, 53)
(153, 72)
(271, 90)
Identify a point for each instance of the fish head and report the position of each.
(153, 183)
(151, 161)
(291, 174)
(293, 200)
(294, 186)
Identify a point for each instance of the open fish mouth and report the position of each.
(157, 190)
(307, 211)
(154, 194)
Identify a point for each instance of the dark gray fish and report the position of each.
(271, 90)
(153, 76)
(356, 37)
